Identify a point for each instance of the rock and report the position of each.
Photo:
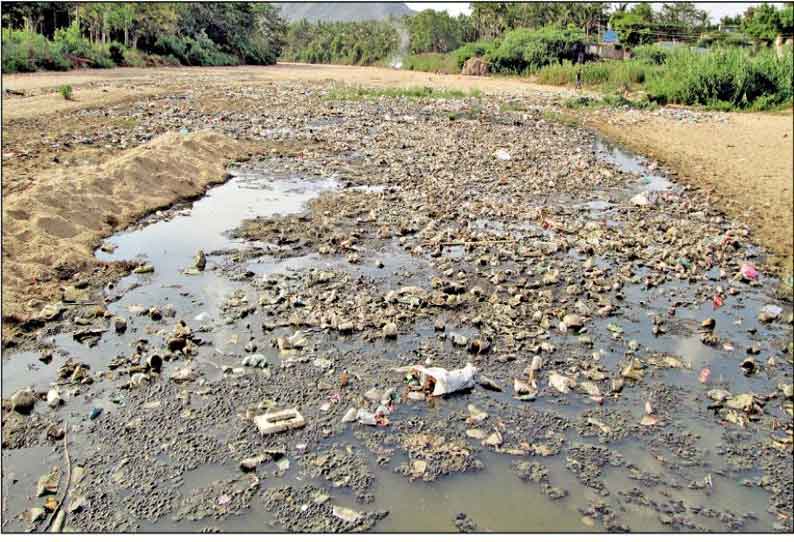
(350, 416)
(494, 439)
(573, 321)
(76, 504)
(51, 311)
(476, 415)
(47, 484)
(54, 398)
(55, 431)
(36, 514)
(419, 467)
(154, 363)
(119, 324)
(183, 374)
(439, 325)
(718, 395)
(475, 66)
(143, 269)
(475, 433)
(138, 380)
(346, 514)
(255, 360)
(641, 200)
(390, 331)
(251, 463)
(458, 339)
(561, 383)
(23, 401)
(488, 384)
(200, 261)
(708, 323)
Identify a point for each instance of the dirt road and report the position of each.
(745, 160)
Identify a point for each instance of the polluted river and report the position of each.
(365, 343)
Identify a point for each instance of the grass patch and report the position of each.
(66, 91)
(413, 93)
(431, 62)
(609, 100)
(560, 118)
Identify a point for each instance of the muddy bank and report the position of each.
(51, 228)
(742, 161)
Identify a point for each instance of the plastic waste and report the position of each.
(748, 271)
(440, 381)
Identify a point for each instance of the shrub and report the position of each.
(469, 50)
(725, 78)
(199, 51)
(65, 91)
(523, 50)
(651, 54)
(28, 51)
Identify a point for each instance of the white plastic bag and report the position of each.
(445, 381)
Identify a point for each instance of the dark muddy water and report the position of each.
(495, 498)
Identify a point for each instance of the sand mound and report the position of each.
(51, 229)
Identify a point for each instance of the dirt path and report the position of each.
(746, 161)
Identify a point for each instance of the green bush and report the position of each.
(469, 50)
(71, 42)
(651, 54)
(199, 51)
(27, 51)
(66, 91)
(523, 50)
(724, 78)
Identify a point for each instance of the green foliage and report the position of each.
(524, 50)
(763, 22)
(651, 54)
(65, 91)
(434, 32)
(414, 93)
(107, 34)
(469, 50)
(25, 51)
(725, 78)
(610, 74)
(431, 62)
(340, 42)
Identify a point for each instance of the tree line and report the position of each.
(61, 35)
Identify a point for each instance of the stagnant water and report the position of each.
(495, 497)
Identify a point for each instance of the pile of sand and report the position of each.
(51, 230)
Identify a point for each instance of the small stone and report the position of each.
(23, 401)
(119, 324)
(200, 261)
(143, 269)
(390, 331)
(36, 514)
(54, 398)
(350, 415)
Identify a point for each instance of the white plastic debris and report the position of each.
(502, 154)
(444, 381)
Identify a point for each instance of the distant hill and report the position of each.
(341, 11)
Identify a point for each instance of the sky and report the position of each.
(716, 10)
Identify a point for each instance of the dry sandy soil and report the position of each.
(55, 214)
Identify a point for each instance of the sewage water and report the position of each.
(495, 498)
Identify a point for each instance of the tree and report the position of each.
(433, 31)
(762, 22)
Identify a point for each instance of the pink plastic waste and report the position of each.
(749, 271)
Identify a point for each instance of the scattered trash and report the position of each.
(277, 422)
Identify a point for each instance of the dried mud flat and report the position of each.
(633, 352)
